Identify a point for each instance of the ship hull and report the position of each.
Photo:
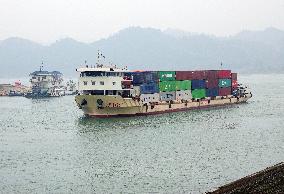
(102, 106)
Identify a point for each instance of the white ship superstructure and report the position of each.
(104, 81)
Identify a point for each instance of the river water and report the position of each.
(48, 146)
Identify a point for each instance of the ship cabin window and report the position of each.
(38, 78)
(93, 83)
(92, 74)
(102, 83)
(111, 92)
(85, 83)
(96, 92)
(113, 83)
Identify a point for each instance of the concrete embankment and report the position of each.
(269, 180)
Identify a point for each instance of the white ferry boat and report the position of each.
(46, 84)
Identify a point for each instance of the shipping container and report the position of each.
(183, 85)
(200, 74)
(191, 75)
(198, 93)
(149, 88)
(135, 91)
(234, 83)
(144, 77)
(167, 96)
(212, 74)
(184, 75)
(224, 83)
(198, 84)
(234, 76)
(151, 76)
(138, 78)
(225, 91)
(224, 74)
(148, 98)
(167, 75)
(183, 95)
(167, 86)
(211, 83)
(212, 92)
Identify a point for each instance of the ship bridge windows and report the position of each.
(93, 83)
(102, 83)
(93, 92)
(85, 83)
(99, 73)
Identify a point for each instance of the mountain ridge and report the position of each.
(151, 49)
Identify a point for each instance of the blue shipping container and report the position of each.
(149, 88)
(212, 92)
(137, 78)
(151, 76)
(144, 77)
(198, 84)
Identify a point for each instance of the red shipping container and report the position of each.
(234, 76)
(197, 75)
(212, 83)
(211, 74)
(190, 75)
(200, 74)
(225, 91)
(184, 75)
(224, 74)
(234, 83)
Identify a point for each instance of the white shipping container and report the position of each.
(147, 98)
(167, 96)
(183, 95)
(136, 91)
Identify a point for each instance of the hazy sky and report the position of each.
(88, 20)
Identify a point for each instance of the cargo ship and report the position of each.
(46, 84)
(108, 91)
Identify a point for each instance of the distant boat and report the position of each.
(15, 93)
(71, 88)
(46, 84)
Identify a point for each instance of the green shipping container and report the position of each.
(167, 86)
(167, 75)
(225, 83)
(183, 85)
(198, 93)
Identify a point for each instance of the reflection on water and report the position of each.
(47, 145)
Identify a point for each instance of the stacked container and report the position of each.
(198, 85)
(167, 85)
(183, 85)
(234, 84)
(225, 82)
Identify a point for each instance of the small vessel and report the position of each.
(108, 91)
(46, 84)
(16, 89)
(71, 87)
(15, 93)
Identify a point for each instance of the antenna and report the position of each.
(98, 60)
(41, 66)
